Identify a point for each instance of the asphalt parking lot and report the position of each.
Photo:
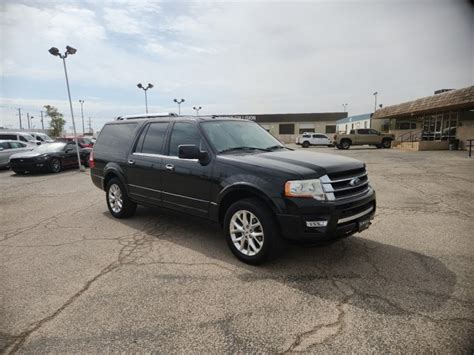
(73, 279)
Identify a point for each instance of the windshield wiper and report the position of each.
(274, 147)
(244, 148)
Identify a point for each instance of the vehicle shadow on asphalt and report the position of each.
(368, 274)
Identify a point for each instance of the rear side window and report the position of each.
(363, 131)
(116, 139)
(17, 145)
(8, 136)
(320, 136)
(4, 145)
(184, 133)
(152, 143)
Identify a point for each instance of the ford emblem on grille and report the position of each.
(354, 182)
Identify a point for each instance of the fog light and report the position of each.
(313, 224)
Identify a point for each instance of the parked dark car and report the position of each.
(49, 157)
(83, 142)
(233, 172)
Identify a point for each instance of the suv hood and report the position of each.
(305, 164)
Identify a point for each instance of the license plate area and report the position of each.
(363, 224)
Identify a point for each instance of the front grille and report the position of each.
(345, 184)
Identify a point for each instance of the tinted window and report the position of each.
(8, 136)
(373, 131)
(4, 145)
(23, 139)
(363, 131)
(17, 145)
(184, 133)
(287, 128)
(116, 139)
(155, 136)
(320, 136)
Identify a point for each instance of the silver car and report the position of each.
(10, 147)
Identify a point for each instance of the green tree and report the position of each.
(57, 121)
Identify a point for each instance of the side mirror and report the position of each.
(191, 151)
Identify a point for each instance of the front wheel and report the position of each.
(306, 144)
(251, 231)
(55, 165)
(118, 202)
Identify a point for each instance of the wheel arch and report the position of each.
(114, 171)
(238, 192)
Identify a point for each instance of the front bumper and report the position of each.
(29, 165)
(342, 218)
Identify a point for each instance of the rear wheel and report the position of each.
(55, 166)
(118, 201)
(305, 144)
(345, 144)
(251, 231)
(387, 143)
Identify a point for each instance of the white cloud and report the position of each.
(121, 21)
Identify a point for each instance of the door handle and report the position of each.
(169, 167)
(131, 162)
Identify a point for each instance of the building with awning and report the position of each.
(437, 120)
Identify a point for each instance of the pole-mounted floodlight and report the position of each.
(69, 51)
(179, 102)
(149, 86)
(197, 109)
(54, 51)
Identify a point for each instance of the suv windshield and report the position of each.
(239, 135)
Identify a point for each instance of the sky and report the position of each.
(229, 57)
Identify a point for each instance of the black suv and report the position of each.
(234, 172)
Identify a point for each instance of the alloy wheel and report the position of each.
(246, 233)
(115, 198)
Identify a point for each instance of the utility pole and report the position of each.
(42, 123)
(19, 115)
(28, 118)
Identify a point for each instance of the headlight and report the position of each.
(305, 188)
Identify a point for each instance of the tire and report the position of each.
(86, 161)
(305, 144)
(55, 165)
(338, 146)
(252, 250)
(387, 143)
(379, 146)
(117, 200)
(345, 144)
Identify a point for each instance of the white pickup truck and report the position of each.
(308, 138)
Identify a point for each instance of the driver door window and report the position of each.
(183, 133)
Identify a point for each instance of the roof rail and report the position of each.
(147, 115)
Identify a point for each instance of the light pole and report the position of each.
(42, 121)
(145, 88)
(345, 107)
(375, 104)
(82, 115)
(197, 109)
(69, 51)
(179, 102)
(31, 120)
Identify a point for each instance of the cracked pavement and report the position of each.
(73, 279)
